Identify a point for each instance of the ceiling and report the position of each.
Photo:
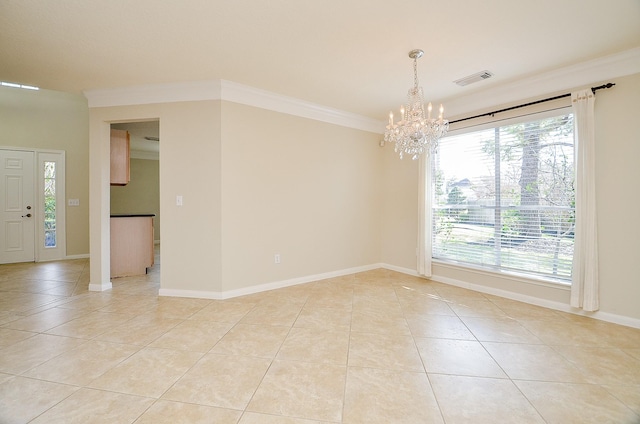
(350, 55)
(144, 138)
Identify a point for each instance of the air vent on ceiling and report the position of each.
(152, 138)
(474, 78)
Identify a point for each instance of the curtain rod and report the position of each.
(593, 90)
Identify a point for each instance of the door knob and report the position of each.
(28, 207)
(27, 215)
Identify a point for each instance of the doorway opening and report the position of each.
(140, 197)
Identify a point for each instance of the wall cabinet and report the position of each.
(120, 157)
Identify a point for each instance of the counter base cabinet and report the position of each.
(131, 245)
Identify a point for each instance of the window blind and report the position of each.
(503, 197)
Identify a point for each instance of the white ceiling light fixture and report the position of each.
(16, 85)
(416, 132)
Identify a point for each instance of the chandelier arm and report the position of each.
(415, 134)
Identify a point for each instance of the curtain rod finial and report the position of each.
(607, 85)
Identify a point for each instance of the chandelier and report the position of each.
(416, 132)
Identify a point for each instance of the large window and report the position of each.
(503, 197)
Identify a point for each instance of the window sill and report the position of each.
(506, 275)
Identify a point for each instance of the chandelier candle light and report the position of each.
(416, 132)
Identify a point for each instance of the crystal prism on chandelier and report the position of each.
(416, 132)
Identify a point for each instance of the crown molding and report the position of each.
(228, 91)
(562, 79)
(567, 78)
(256, 97)
(157, 93)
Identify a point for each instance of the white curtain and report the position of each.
(584, 287)
(424, 216)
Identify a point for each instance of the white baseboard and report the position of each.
(196, 294)
(229, 294)
(400, 269)
(83, 256)
(609, 317)
(65, 258)
(558, 306)
(98, 287)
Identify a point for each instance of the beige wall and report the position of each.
(190, 167)
(53, 120)
(399, 226)
(617, 177)
(304, 189)
(142, 194)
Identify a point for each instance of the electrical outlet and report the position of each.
(276, 258)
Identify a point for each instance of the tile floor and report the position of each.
(373, 347)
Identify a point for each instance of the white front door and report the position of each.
(17, 207)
